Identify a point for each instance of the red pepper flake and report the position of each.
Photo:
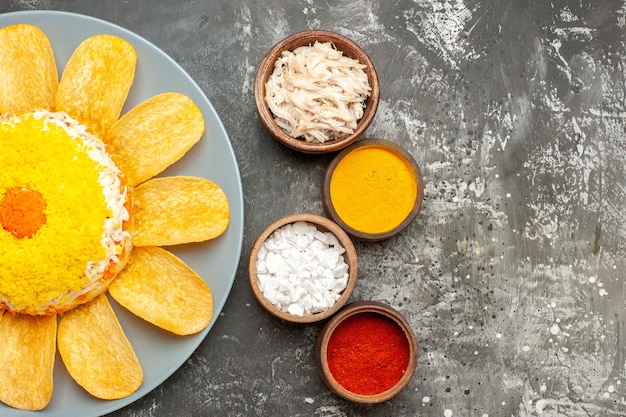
(22, 211)
(368, 353)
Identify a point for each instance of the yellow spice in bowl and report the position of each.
(373, 189)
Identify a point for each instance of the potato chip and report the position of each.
(27, 348)
(96, 352)
(28, 73)
(96, 82)
(174, 210)
(154, 135)
(161, 289)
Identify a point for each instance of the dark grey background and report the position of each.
(512, 274)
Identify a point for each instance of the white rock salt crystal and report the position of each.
(317, 246)
(300, 228)
(295, 309)
(328, 280)
(325, 238)
(272, 262)
(261, 267)
(340, 269)
(304, 275)
(341, 283)
(301, 269)
(291, 259)
(298, 293)
(262, 253)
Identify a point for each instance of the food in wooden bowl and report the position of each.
(373, 189)
(367, 352)
(316, 91)
(303, 268)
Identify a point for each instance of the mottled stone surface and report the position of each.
(512, 274)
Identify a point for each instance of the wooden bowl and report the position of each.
(403, 157)
(324, 225)
(308, 37)
(324, 336)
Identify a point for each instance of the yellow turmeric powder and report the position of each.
(373, 189)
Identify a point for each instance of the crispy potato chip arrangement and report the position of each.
(155, 278)
(203, 206)
(96, 352)
(27, 352)
(102, 66)
(141, 160)
(24, 48)
(154, 285)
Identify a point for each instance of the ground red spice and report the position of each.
(368, 353)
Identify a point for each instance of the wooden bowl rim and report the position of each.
(351, 309)
(266, 67)
(330, 209)
(323, 224)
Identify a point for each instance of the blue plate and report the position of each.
(159, 352)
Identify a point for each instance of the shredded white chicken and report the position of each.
(316, 93)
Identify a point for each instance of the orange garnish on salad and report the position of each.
(22, 211)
